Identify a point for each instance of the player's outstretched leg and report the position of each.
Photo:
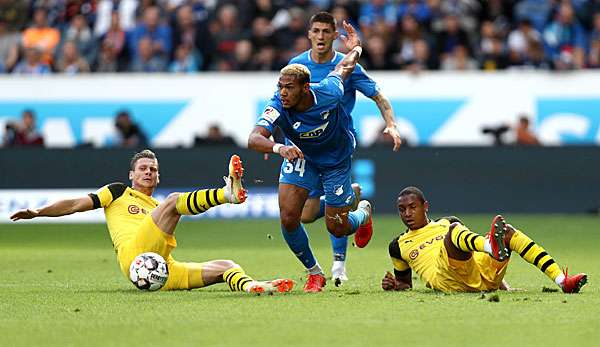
(200, 275)
(466, 241)
(237, 280)
(233, 192)
(534, 254)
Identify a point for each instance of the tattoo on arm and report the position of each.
(385, 107)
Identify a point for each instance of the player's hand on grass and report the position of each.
(393, 132)
(389, 282)
(24, 214)
(351, 38)
(291, 153)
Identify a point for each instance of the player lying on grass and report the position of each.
(449, 257)
(138, 223)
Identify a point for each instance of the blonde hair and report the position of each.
(298, 71)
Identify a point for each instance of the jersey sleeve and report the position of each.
(362, 82)
(397, 261)
(331, 89)
(269, 116)
(104, 196)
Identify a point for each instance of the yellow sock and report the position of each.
(237, 279)
(534, 254)
(199, 201)
(466, 240)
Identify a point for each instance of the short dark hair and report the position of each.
(139, 155)
(322, 17)
(413, 190)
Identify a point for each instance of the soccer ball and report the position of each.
(148, 271)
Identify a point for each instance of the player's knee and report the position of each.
(451, 229)
(171, 199)
(337, 230)
(222, 265)
(226, 264)
(290, 221)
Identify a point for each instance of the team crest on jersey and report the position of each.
(296, 125)
(338, 190)
(133, 209)
(270, 114)
(316, 132)
(325, 115)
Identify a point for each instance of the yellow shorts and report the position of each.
(479, 273)
(149, 238)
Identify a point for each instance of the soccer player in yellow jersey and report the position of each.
(449, 257)
(138, 223)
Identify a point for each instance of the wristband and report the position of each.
(358, 49)
(277, 147)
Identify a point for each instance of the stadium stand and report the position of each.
(183, 36)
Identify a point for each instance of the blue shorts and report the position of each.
(334, 182)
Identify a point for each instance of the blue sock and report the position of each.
(321, 208)
(339, 245)
(356, 218)
(297, 240)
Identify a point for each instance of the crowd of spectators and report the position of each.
(77, 36)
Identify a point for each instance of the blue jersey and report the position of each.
(358, 80)
(321, 132)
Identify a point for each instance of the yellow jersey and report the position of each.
(423, 251)
(419, 249)
(124, 208)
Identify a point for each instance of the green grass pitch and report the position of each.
(60, 285)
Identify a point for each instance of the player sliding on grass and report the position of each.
(317, 155)
(449, 257)
(138, 223)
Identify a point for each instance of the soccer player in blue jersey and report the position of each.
(321, 59)
(318, 149)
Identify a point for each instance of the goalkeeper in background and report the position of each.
(138, 223)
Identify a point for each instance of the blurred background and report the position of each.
(497, 101)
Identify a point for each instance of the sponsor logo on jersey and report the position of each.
(133, 209)
(270, 114)
(430, 242)
(415, 252)
(314, 133)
